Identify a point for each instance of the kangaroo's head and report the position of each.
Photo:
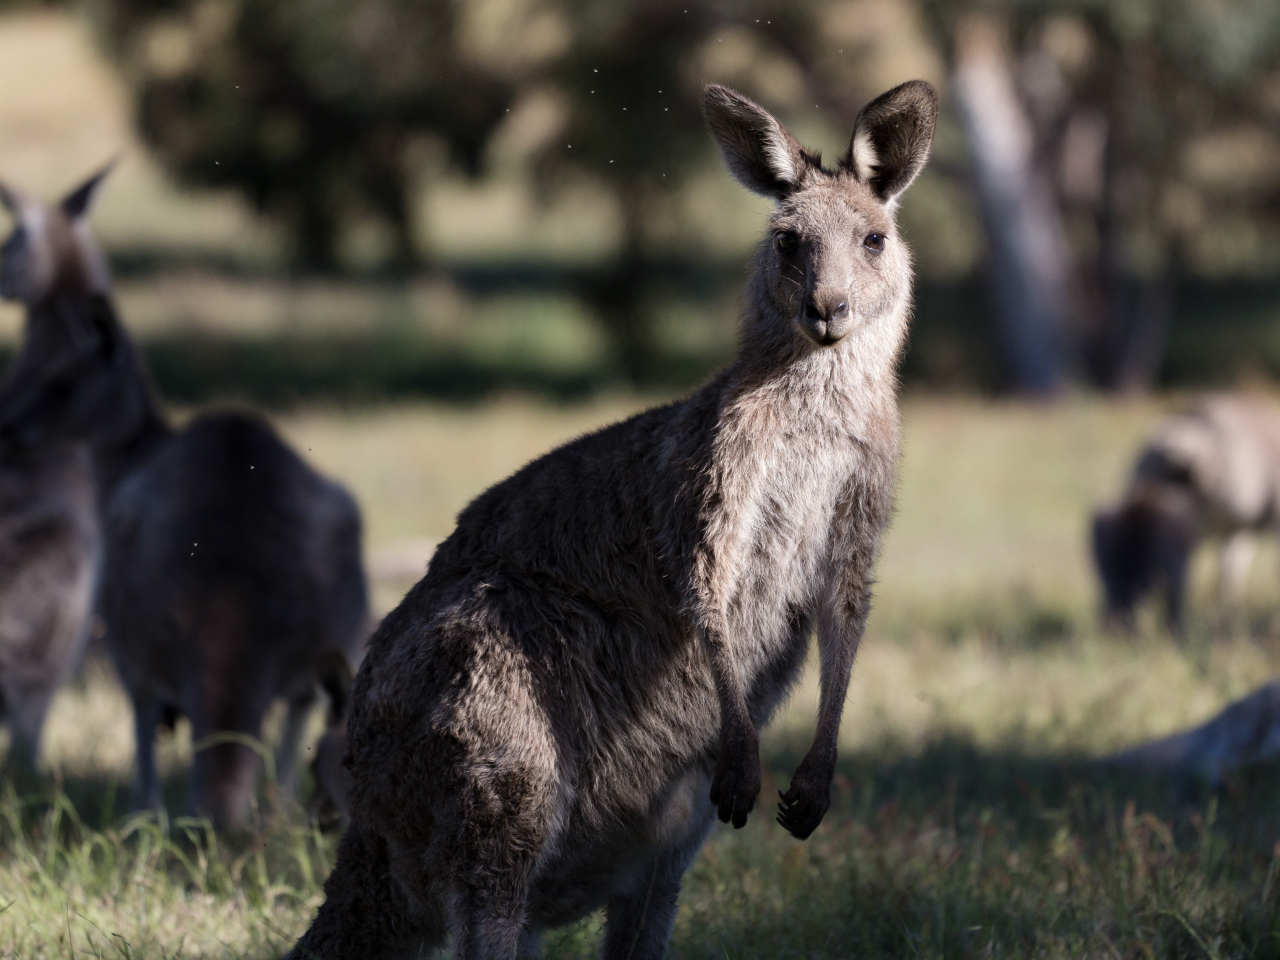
(76, 376)
(76, 379)
(1142, 546)
(51, 250)
(833, 263)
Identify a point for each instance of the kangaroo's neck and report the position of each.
(116, 456)
(840, 385)
(133, 426)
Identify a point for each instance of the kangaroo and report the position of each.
(1212, 470)
(230, 566)
(554, 716)
(49, 534)
(328, 804)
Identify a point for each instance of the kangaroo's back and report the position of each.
(227, 508)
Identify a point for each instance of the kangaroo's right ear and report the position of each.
(334, 675)
(760, 152)
(891, 138)
(77, 203)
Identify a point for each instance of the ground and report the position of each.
(970, 815)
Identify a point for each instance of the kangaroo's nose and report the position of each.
(826, 319)
(817, 310)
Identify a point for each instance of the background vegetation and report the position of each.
(341, 219)
(543, 161)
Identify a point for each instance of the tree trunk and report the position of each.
(1029, 260)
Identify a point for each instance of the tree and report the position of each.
(309, 107)
(1152, 147)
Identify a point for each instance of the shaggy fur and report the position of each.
(49, 536)
(231, 566)
(1211, 471)
(554, 716)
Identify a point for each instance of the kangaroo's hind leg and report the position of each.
(147, 715)
(639, 921)
(506, 813)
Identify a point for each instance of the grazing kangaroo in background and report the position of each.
(49, 537)
(553, 717)
(1212, 470)
(328, 804)
(230, 566)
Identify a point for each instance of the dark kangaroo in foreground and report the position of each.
(49, 535)
(230, 566)
(1209, 471)
(553, 717)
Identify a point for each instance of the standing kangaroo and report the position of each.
(49, 535)
(230, 566)
(536, 730)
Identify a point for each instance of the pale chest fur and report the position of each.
(797, 460)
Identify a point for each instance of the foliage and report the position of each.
(312, 108)
(1157, 128)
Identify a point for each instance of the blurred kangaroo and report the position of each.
(49, 535)
(230, 566)
(328, 802)
(554, 716)
(1212, 470)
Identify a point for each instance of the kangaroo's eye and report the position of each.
(785, 242)
(874, 242)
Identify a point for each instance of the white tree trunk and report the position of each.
(1030, 261)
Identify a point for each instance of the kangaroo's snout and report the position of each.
(826, 317)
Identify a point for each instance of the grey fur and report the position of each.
(231, 567)
(536, 731)
(49, 549)
(49, 533)
(1212, 470)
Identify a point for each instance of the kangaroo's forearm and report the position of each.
(735, 718)
(839, 636)
(837, 655)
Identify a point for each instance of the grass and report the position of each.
(970, 813)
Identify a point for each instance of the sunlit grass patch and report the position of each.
(148, 887)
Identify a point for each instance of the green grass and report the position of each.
(971, 816)
(970, 813)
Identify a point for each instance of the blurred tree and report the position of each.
(1145, 133)
(312, 108)
(1140, 141)
(632, 80)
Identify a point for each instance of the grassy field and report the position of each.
(970, 815)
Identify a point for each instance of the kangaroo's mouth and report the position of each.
(824, 333)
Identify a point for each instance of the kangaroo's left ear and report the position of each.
(77, 203)
(891, 138)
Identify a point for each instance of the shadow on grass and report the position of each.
(950, 852)
(961, 852)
